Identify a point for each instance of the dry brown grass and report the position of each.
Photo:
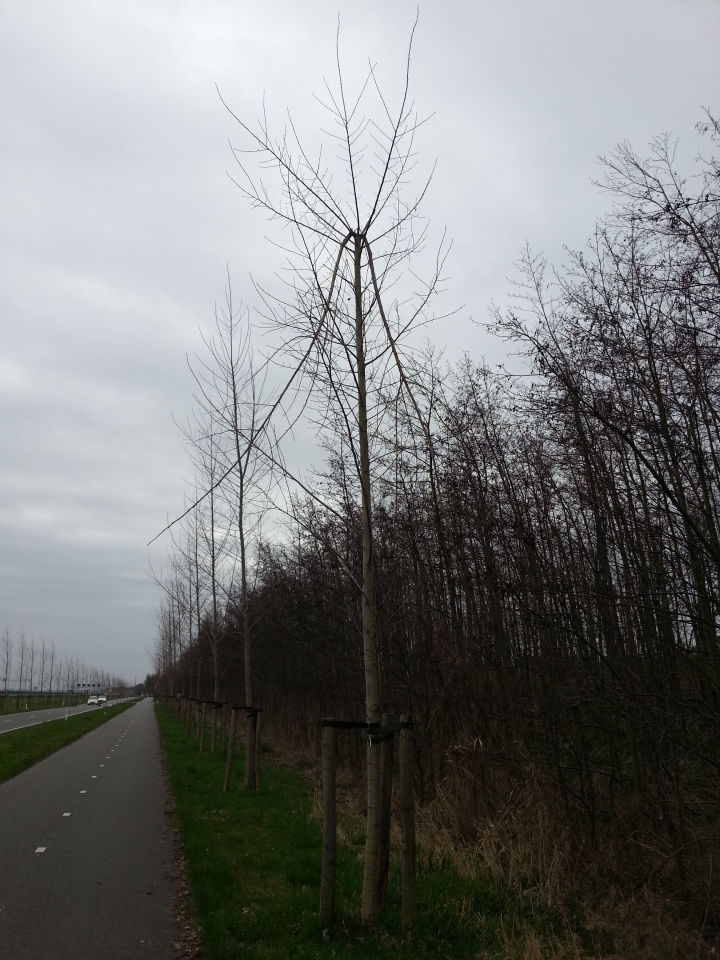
(513, 832)
(523, 843)
(527, 846)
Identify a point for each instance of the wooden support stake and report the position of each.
(213, 732)
(407, 813)
(257, 751)
(203, 719)
(387, 721)
(327, 878)
(231, 748)
(250, 747)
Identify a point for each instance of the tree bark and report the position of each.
(373, 842)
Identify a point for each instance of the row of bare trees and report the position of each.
(527, 565)
(35, 666)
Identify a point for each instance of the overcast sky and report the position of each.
(117, 220)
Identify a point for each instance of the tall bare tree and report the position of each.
(344, 331)
(7, 651)
(229, 392)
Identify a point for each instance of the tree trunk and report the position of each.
(372, 881)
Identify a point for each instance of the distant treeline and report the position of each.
(35, 666)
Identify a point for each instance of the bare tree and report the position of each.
(215, 536)
(51, 668)
(7, 650)
(229, 394)
(344, 330)
(21, 667)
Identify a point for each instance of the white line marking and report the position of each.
(40, 849)
(66, 814)
(83, 791)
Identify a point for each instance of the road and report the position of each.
(86, 854)
(29, 718)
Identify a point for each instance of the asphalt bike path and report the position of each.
(86, 852)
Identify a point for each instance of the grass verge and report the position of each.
(254, 871)
(15, 702)
(20, 749)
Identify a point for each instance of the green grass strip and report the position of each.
(254, 871)
(16, 702)
(20, 749)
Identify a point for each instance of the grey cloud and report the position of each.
(118, 220)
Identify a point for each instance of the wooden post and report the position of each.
(213, 733)
(407, 813)
(250, 747)
(231, 748)
(327, 878)
(223, 725)
(203, 718)
(257, 751)
(387, 722)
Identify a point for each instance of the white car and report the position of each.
(92, 699)
(102, 698)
